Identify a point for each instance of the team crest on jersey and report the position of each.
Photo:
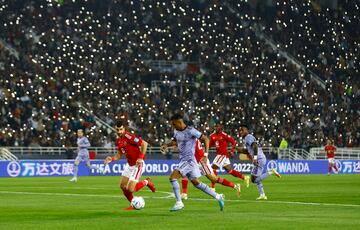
(122, 143)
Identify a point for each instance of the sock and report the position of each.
(206, 189)
(225, 182)
(176, 188)
(329, 169)
(76, 169)
(260, 188)
(212, 183)
(128, 195)
(140, 185)
(236, 174)
(335, 168)
(184, 183)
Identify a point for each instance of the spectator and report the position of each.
(228, 74)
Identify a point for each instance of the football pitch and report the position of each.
(294, 202)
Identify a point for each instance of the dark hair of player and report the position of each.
(244, 126)
(120, 123)
(176, 116)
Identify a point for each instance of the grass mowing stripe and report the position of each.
(170, 196)
(299, 201)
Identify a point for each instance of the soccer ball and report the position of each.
(138, 202)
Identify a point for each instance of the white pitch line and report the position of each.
(73, 188)
(283, 202)
(57, 194)
(171, 196)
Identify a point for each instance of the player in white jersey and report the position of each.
(83, 154)
(185, 140)
(259, 161)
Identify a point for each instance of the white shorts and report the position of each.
(83, 156)
(258, 169)
(331, 160)
(133, 172)
(189, 169)
(205, 168)
(221, 160)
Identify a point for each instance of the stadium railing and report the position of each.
(5, 154)
(65, 152)
(341, 153)
(270, 152)
(287, 154)
(152, 152)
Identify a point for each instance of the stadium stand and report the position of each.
(127, 61)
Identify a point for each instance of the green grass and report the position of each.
(55, 203)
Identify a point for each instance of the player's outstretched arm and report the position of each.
(143, 148)
(240, 150)
(117, 156)
(211, 142)
(231, 140)
(205, 139)
(255, 147)
(164, 147)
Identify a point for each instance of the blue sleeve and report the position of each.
(250, 139)
(195, 133)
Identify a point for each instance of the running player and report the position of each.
(259, 160)
(134, 149)
(330, 152)
(82, 155)
(205, 168)
(221, 140)
(185, 140)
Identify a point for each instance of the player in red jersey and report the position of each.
(205, 168)
(330, 152)
(134, 149)
(221, 140)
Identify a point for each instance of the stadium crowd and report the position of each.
(54, 56)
